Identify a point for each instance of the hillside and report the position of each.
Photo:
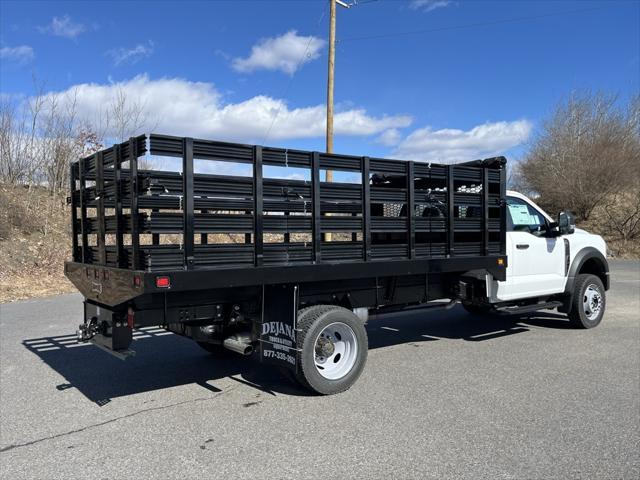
(34, 243)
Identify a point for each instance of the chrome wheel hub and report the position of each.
(336, 350)
(592, 302)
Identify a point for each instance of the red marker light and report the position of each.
(163, 282)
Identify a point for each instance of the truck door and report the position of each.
(536, 261)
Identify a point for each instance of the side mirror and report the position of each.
(566, 222)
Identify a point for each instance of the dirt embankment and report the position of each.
(35, 241)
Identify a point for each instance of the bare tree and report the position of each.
(587, 150)
(42, 135)
(12, 162)
(18, 139)
(622, 214)
(57, 138)
(87, 141)
(125, 117)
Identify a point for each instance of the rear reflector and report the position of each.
(163, 282)
(130, 317)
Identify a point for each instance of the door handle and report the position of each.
(522, 246)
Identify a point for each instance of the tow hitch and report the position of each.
(110, 331)
(87, 330)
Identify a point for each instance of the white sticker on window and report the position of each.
(520, 215)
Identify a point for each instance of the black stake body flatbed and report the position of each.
(243, 246)
(380, 218)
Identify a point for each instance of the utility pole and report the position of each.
(332, 58)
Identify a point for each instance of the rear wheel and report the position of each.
(333, 348)
(588, 302)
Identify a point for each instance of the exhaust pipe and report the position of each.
(239, 343)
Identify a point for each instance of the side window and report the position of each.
(523, 217)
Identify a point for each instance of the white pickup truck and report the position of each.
(551, 264)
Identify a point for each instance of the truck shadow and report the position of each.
(455, 324)
(165, 360)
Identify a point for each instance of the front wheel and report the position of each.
(588, 302)
(333, 348)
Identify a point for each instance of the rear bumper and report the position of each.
(105, 285)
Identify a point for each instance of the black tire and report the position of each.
(475, 309)
(311, 323)
(216, 349)
(588, 290)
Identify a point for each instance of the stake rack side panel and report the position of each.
(268, 206)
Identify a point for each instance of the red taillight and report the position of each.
(163, 282)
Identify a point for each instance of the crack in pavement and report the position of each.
(112, 420)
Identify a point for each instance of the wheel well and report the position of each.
(594, 266)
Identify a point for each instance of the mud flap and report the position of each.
(278, 330)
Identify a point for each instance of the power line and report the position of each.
(468, 25)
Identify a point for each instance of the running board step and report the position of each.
(527, 308)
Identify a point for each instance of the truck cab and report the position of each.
(546, 262)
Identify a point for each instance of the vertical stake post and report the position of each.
(315, 204)
(451, 222)
(83, 211)
(187, 202)
(258, 207)
(102, 249)
(503, 210)
(366, 209)
(74, 212)
(135, 220)
(485, 211)
(117, 176)
(411, 223)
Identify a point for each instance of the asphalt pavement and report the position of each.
(444, 395)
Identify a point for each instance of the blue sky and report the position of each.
(476, 80)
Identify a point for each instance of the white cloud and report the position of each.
(21, 54)
(389, 138)
(429, 5)
(181, 107)
(287, 53)
(63, 27)
(452, 145)
(131, 55)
